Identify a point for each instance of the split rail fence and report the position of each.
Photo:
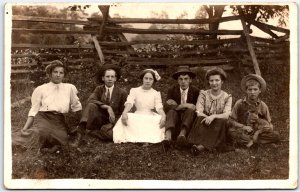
(232, 48)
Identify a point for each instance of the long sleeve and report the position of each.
(75, 104)
(171, 95)
(227, 107)
(36, 102)
(158, 101)
(95, 97)
(233, 113)
(200, 102)
(123, 100)
(266, 112)
(233, 118)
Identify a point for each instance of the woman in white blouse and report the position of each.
(45, 126)
(144, 125)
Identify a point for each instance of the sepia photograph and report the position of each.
(151, 96)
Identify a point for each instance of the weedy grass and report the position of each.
(105, 160)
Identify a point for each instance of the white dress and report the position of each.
(143, 124)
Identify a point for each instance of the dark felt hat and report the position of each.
(262, 82)
(101, 71)
(183, 70)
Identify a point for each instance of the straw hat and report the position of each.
(258, 78)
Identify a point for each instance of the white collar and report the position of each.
(186, 91)
(55, 84)
(110, 88)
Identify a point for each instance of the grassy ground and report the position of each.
(106, 160)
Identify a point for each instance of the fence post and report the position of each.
(104, 10)
(249, 43)
(98, 48)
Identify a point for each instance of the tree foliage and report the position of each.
(263, 13)
(48, 12)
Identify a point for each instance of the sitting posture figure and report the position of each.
(258, 125)
(239, 129)
(180, 107)
(46, 127)
(146, 124)
(104, 106)
(213, 109)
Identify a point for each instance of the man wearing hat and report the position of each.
(105, 105)
(240, 131)
(180, 107)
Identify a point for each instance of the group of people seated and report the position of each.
(199, 119)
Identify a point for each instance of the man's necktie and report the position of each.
(183, 97)
(107, 99)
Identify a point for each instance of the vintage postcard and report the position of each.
(151, 96)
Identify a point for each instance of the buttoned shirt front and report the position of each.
(186, 93)
(110, 91)
(59, 98)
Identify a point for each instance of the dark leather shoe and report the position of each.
(196, 149)
(166, 144)
(181, 141)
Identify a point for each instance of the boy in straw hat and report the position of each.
(244, 129)
(180, 107)
(104, 107)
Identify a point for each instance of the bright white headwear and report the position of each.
(157, 77)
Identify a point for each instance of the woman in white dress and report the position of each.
(144, 125)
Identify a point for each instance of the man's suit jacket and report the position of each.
(118, 98)
(174, 93)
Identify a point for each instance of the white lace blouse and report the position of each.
(55, 97)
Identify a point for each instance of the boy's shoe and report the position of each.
(50, 150)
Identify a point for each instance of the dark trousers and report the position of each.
(178, 120)
(239, 136)
(97, 120)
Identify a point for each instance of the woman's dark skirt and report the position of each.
(211, 136)
(48, 128)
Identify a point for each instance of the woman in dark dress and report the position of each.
(213, 109)
(45, 127)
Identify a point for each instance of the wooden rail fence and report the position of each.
(242, 49)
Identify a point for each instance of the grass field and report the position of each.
(105, 160)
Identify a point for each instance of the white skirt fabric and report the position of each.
(140, 128)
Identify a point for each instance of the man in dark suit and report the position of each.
(105, 105)
(180, 107)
